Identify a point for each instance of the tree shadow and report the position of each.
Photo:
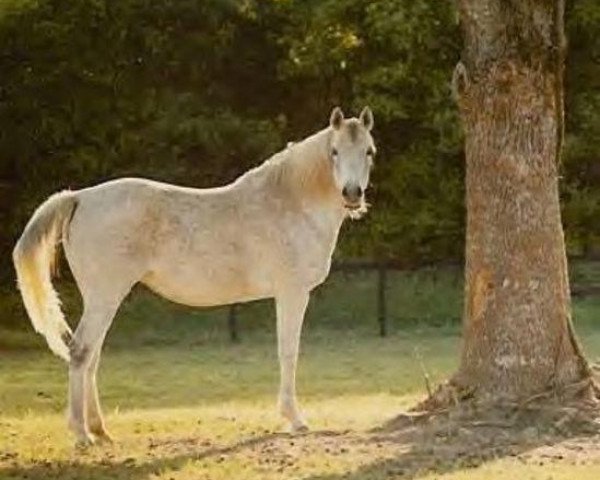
(453, 441)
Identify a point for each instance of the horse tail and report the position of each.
(34, 257)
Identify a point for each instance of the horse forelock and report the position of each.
(353, 129)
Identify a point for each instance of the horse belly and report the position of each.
(198, 284)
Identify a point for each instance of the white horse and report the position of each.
(270, 233)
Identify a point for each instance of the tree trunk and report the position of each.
(518, 337)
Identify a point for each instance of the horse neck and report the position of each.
(302, 176)
(307, 172)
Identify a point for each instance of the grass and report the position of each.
(213, 393)
(184, 403)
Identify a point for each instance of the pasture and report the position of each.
(183, 402)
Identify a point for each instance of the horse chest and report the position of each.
(314, 241)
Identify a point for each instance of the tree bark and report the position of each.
(518, 338)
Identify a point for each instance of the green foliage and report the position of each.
(581, 156)
(397, 57)
(197, 91)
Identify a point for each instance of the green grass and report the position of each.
(333, 364)
(184, 403)
(213, 391)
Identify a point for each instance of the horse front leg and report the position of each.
(291, 307)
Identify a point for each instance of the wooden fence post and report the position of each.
(232, 324)
(381, 300)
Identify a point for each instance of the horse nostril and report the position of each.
(352, 193)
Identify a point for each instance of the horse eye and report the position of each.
(370, 152)
(334, 152)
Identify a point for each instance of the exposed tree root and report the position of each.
(457, 391)
(573, 407)
(446, 395)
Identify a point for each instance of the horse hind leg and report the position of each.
(95, 419)
(86, 341)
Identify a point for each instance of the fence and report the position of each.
(381, 267)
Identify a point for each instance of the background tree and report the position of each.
(518, 336)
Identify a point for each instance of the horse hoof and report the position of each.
(104, 438)
(100, 434)
(300, 428)
(84, 442)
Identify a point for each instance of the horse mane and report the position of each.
(301, 168)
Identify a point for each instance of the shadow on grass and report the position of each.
(85, 467)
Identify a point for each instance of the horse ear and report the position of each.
(336, 118)
(366, 117)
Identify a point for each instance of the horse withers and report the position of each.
(269, 234)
